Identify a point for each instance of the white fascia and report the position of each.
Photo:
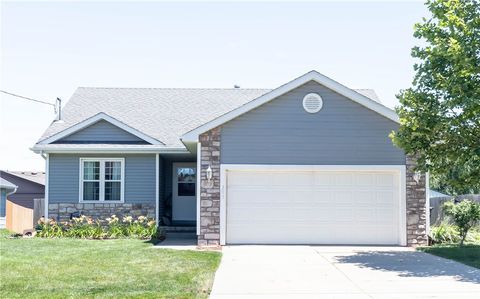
(96, 118)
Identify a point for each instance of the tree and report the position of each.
(440, 113)
(465, 215)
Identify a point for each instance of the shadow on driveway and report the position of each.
(411, 264)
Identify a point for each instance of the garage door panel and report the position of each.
(312, 207)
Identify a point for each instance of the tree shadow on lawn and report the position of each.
(412, 264)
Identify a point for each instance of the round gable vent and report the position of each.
(312, 103)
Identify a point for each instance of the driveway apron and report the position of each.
(340, 272)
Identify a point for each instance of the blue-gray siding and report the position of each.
(281, 132)
(64, 177)
(102, 132)
(3, 202)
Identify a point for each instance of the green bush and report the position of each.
(444, 233)
(110, 228)
(465, 215)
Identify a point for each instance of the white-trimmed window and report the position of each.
(102, 179)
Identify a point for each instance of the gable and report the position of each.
(191, 137)
(343, 132)
(102, 132)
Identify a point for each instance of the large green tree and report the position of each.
(440, 113)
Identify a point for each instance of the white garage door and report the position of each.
(313, 207)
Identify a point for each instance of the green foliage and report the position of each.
(440, 113)
(465, 215)
(444, 233)
(111, 228)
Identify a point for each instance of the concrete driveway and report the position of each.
(340, 272)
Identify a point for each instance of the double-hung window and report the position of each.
(102, 179)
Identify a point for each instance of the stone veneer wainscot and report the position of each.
(62, 211)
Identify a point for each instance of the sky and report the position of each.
(48, 49)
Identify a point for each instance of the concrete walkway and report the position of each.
(340, 272)
(179, 241)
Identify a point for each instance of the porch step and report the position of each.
(179, 229)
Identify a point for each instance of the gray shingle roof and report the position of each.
(34, 176)
(162, 113)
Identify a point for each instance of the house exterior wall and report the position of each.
(3, 201)
(282, 132)
(140, 181)
(102, 132)
(26, 192)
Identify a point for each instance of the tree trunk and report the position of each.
(464, 235)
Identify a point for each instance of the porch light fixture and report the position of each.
(209, 173)
(416, 176)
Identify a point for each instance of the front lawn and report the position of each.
(468, 254)
(127, 268)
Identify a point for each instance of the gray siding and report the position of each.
(3, 202)
(281, 132)
(102, 132)
(64, 177)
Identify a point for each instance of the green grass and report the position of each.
(468, 254)
(73, 268)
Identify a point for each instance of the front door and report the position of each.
(184, 203)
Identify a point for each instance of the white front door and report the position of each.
(184, 202)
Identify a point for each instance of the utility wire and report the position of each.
(27, 98)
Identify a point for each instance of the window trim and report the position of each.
(102, 180)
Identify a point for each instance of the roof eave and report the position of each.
(39, 149)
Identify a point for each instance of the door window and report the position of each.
(186, 180)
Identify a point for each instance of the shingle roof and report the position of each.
(34, 176)
(162, 113)
(6, 184)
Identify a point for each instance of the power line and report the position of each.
(27, 98)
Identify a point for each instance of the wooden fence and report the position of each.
(436, 213)
(20, 219)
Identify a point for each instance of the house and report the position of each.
(20, 215)
(6, 188)
(31, 185)
(309, 162)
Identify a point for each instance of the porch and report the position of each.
(177, 189)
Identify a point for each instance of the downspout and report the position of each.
(14, 190)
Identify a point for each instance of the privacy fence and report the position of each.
(436, 213)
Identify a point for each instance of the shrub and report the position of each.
(465, 215)
(444, 233)
(111, 228)
(49, 228)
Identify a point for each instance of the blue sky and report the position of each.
(49, 49)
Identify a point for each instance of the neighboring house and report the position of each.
(6, 189)
(20, 215)
(31, 185)
(309, 162)
(434, 194)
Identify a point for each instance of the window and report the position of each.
(186, 180)
(101, 179)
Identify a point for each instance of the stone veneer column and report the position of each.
(416, 206)
(210, 191)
